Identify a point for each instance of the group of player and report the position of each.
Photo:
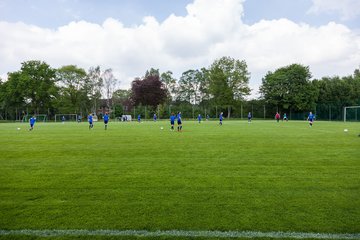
(310, 118)
(173, 117)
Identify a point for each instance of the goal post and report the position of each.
(39, 117)
(354, 112)
(67, 117)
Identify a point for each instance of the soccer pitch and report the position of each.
(263, 177)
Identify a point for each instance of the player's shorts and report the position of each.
(311, 120)
(90, 122)
(106, 122)
(31, 125)
(172, 122)
(179, 122)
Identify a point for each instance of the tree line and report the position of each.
(37, 88)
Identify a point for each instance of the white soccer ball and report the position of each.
(345, 130)
(18, 129)
(161, 128)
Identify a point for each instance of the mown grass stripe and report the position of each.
(180, 233)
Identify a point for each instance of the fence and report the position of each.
(325, 112)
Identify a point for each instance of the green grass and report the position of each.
(264, 176)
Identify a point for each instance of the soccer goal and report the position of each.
(352, 113)
(39, 117)
(66, 117)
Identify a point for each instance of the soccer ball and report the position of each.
(18, 129)
(345, 130)
(161, 128)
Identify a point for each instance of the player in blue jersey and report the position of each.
(79, 119)
(172, 121)
(106, 120)
(139, 118)
(63, 119)
(199, 118)
(32, 122)
(221, 118)
(90, 120)
(249, 117)
(178, 117)
(285, 117)
(311, 118)
(155, 117)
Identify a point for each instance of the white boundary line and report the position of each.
(179, 233)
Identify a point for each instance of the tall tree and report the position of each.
(122, 98)
(152, 72)
(229, 79)
(72, 81)
(190, 87)
(94, 84)
(12, 93)
(290, 87)
(148, 91)
(34, 84)
(109, 85)
(169, 83)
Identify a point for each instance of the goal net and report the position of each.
(352, 114)
(39, 117)
(66, 117)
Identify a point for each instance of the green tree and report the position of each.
(152, 72)
(290, 87)
(73, 89)
(93, 85)
(189, 87)
(12, 94)
(170, 84)
(228, 81)
(121, 98)
(32, 87)
(110, 83)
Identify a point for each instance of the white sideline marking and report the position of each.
(179, 233)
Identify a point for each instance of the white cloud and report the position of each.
(348, 9)
(211, 29)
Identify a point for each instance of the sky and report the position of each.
(131, 36)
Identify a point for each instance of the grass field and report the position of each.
(264, 176)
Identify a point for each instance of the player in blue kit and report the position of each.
(249, 117)
(311, 118)
(172, 121)
(32, 123)
(199, 118)
(179, 128)
(285, 117)
(139, 118)
(106, 120)
(155, 117)
(221, 118)
(90, 120)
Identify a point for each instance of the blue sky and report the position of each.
(130, 36)
(56, 13)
